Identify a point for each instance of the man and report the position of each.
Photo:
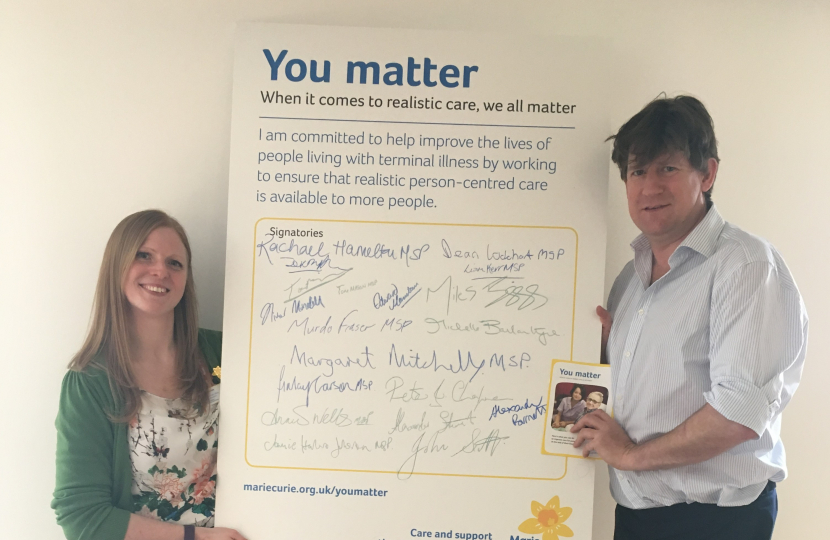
(594, 403)
(706, 346)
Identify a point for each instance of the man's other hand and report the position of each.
(605, 319)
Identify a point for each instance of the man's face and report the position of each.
(665, 197)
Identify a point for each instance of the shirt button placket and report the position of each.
(630, 345)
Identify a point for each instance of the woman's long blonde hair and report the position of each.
(108, 340)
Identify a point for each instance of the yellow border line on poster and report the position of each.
(251, 340)
(553, 363)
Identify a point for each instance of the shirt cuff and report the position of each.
(742, 402)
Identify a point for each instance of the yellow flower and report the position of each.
(548, 519)
(217, 372)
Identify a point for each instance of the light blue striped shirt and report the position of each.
(725, 326)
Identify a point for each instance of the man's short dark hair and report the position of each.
(680, 124)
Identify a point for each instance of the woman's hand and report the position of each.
(218, 533)
(145, 528)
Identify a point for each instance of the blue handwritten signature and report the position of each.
(536, 411)
(313, 301)
(311, 264)
(394, 299)
(266, 247)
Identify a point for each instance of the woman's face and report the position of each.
(576, 395)
(156, 279)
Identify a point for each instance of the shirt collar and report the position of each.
(703, 239)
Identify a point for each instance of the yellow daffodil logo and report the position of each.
(217, 372)
(548, 519)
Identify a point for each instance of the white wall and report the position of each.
(111, 107)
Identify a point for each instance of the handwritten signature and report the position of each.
(461, 363)
(524, 296)
(490, 327)
(394, 299)
(488, 443)
(420, 447)
(537, 408)
(302, 286)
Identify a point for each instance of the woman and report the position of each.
(136, 456)
(569, 408)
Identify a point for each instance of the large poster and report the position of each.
(416, 238)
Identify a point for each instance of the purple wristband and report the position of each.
(189, 532)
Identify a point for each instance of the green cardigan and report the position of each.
(93, 488)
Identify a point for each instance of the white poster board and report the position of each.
(416, 235)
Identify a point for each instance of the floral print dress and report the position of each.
(173, 454)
